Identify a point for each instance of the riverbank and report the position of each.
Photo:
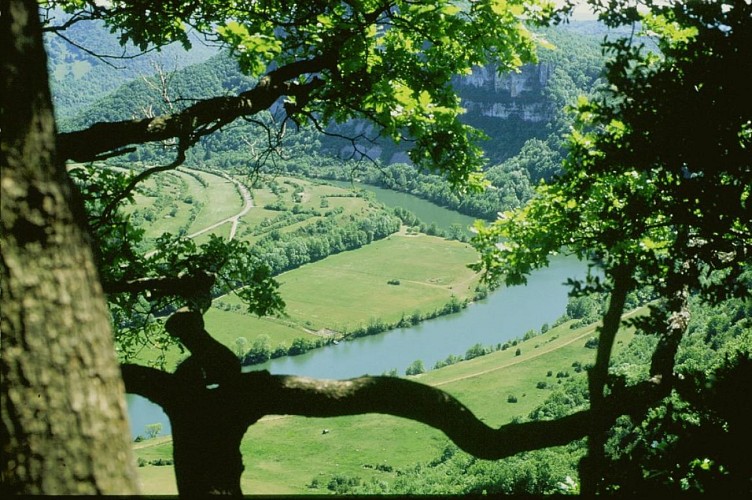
(284, 454)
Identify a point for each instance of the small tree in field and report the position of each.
(153, 430)
(415, 368)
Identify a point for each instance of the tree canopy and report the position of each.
(656, 186)
(390, 62)
(655, 192)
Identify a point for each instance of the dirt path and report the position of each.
(247, 205)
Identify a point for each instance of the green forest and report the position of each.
(192, 190)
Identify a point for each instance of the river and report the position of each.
(506, 314)
(426, 211)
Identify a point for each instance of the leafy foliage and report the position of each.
(646, 183)
(123, 267)
(649, 193)
(390, 62)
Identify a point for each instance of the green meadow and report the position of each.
(338, 294)
(386, 280)
(284, 454)
(347, 290)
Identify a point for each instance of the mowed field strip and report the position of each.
(583, 333)
(284, 453)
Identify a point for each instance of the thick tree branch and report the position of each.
(155, 385)
(591, 465)
(281, 394)
(256, 394)
(188, 327)
(211, 421)
(195, 121)
(662, 361)
(185, 285)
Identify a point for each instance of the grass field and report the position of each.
(346, 290)
(340, 293)
(343, 292)
(284, 454)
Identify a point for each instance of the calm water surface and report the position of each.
(506, 314)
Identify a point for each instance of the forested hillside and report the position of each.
(165, 225)
(523, 114)
(89, 63)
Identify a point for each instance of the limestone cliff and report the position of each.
(510, 95)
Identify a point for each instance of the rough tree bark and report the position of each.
(64, 427)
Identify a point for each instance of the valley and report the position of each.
(348, 291)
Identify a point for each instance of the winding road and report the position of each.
(247, 205)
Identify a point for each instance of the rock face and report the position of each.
(510, 95)
(509, 107)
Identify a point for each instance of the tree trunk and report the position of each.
(63, 407)
(592, 465)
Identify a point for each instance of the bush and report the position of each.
(518, 352)
(475, 351)
(592, 343)
(541, 385)
(300, 346)
(511, 399)
(416, 368)
(280, 351)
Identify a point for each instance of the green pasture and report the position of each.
(171, 187)
(227, 326)
(220, 199)
(283, 454)
(349, 289)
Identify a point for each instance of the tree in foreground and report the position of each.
(390, 63)
(656, 193)
(63, 411)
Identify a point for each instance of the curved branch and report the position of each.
(194, 121)
(155, 385)
(291, 395)
(249, 396)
